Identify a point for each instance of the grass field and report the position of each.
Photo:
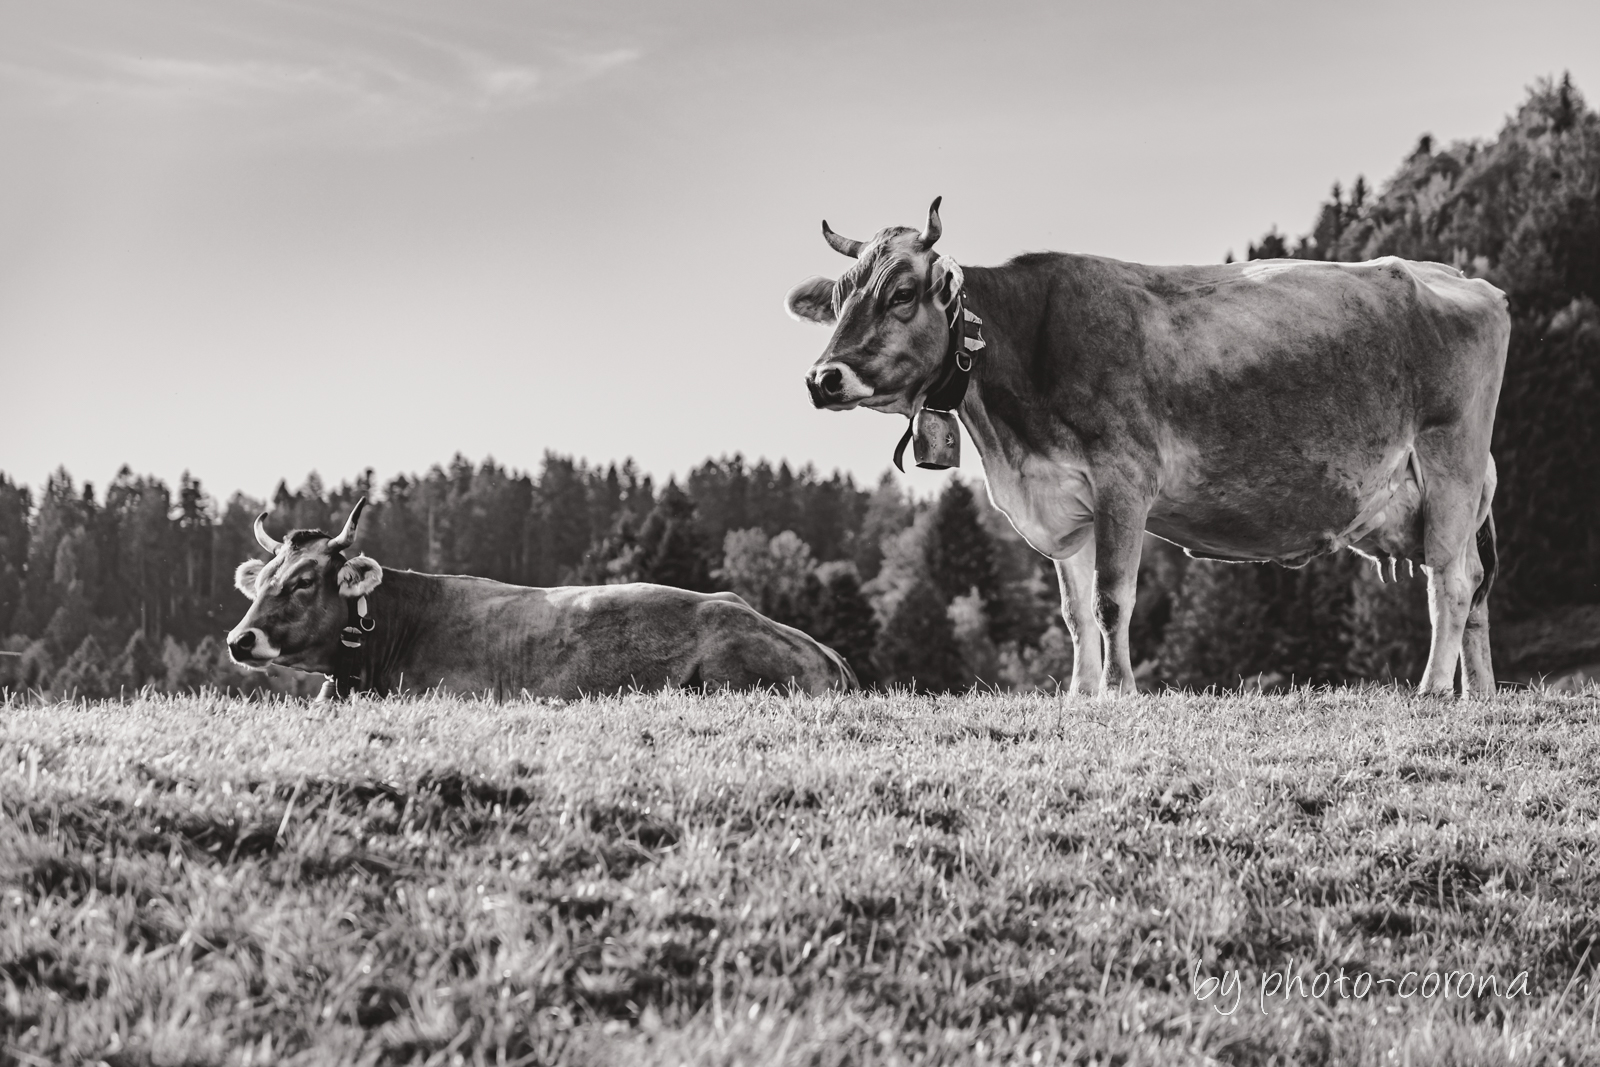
(759, 879)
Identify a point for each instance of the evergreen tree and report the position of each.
(960, 554)
(140, 548)
(34, 670)
(186, 672)
(86, 675)
(489, 511)
(828, 514)
(614, 559)
(621, 493)
(563, 503)
(887, 512)
(1029, 598)
(192, 527)
(74, 616)
(918, 645)
(673, 550)
(838, 615)
(721, 490)
(1217, 633)
(16, 504)
(61, 512)
(139, 664)
(1272, 246)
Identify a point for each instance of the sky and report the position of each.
(255, 238)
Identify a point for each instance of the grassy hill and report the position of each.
(759, 879)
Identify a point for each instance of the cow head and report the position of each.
(298, 597)
(890, 318)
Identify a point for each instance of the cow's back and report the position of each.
(1267, 328)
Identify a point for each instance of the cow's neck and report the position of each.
(1006, 411)
(403, 610)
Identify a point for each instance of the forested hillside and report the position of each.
(102, 591)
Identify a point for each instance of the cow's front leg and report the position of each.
(1076, 575)
(1118, 539)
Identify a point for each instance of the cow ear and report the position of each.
(947, 282)
(244, 579)
(359, 576)
(812, 301)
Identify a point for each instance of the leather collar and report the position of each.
(348, 674)
(965, 344)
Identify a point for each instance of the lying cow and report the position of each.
(1273, 410)
(386, 631)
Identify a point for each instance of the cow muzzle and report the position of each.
(836, 386)
(251, 648)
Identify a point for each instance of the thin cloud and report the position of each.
(425, 88)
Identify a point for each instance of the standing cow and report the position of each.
(378, 630)
(1271, 410)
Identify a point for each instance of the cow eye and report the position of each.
(902, 296)
(306, 581)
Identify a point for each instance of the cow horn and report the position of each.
(935, 227)
(348, 534)
(842, 245)
(263, 538)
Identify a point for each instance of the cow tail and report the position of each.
(1489, 556)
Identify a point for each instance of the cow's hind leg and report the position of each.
(1476, 665)
(1459, 554)
(1449, 594)
(1450, 559)
(739, 649)
(1076, 575)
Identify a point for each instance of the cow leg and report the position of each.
(1477, 672)
(1477, 666)
(1119, 537)
(1449, 597)
(1076, 576)
(1447, 544)
(1476, 663)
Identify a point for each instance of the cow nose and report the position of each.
(241, 645)
(831, 382)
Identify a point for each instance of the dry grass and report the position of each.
(758, 879)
